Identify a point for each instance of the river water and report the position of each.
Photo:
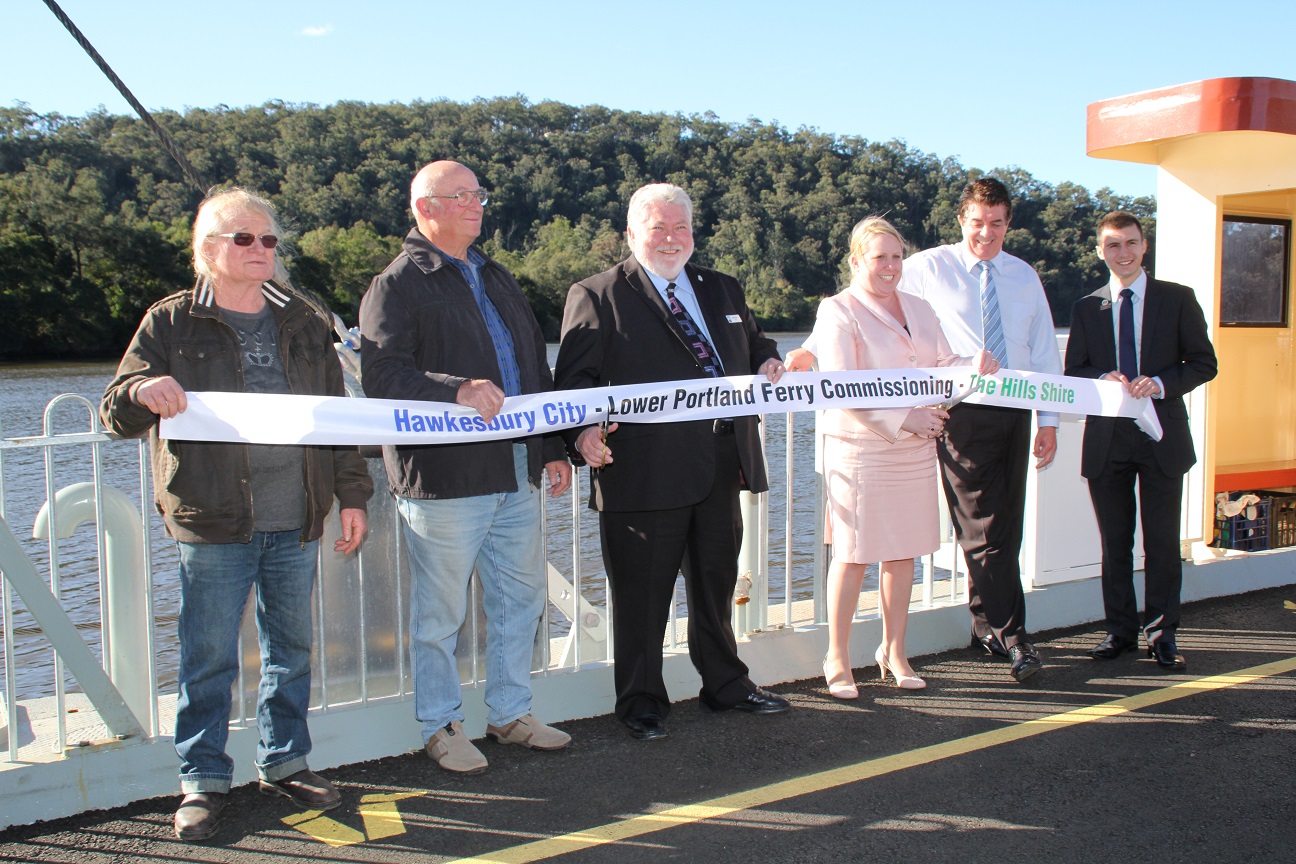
(26, 390)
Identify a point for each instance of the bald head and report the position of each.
(429, 178)
(441, 219)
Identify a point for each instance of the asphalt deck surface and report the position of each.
(1198, 766)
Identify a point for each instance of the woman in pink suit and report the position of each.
(880, 465)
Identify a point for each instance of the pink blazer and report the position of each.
(853, 332)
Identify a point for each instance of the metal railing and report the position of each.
(361, 601)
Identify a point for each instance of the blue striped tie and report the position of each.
(991, 323)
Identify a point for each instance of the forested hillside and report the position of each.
(94, 217)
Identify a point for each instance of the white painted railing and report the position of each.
(360, 601)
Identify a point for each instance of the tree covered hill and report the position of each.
(94, 217)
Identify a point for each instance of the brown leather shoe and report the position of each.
(199, 816)
(306, 789)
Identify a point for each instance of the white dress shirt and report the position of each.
(1139, 287)
(946, 277)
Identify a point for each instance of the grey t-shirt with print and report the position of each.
(278, 482)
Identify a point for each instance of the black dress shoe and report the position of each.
(649, 727)
(1025, 662)
(757, 701)
(1166, 654)
(988, 645)
(199, 816)
(1112, 646)
(306, 789)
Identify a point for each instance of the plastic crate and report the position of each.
(1282, 518)
(1239, 532)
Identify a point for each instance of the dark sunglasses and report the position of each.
(243, 238)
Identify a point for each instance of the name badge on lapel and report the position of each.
(734, 319)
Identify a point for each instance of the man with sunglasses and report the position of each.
(445, 323)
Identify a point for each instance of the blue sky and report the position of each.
(991, 84)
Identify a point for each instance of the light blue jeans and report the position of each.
(499, 534)
(215, 579)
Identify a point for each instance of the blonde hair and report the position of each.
(864, 231)
(222, 211)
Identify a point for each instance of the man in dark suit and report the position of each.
(1150, 336)
(667, 493)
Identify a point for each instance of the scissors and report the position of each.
(603, 426)
(951, 402)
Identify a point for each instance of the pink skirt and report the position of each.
(881, 498)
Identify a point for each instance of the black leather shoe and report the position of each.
(1025, 662)
(306, 789)
(988, 645)
(649, 727)
(757, 701)
(199, 816)
(1166, 654)
(1112, 646)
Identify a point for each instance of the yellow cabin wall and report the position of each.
(1255, 395)
(1248, 414)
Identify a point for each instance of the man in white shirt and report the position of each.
(989, 299)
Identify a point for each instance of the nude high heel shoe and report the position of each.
(904, 682)
(841, 687)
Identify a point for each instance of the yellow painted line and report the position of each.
(725, 805)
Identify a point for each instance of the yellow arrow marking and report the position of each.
(381, 819)
(313, 823)
(763, 796)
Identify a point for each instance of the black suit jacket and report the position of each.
(1174, 347)
(618, 330)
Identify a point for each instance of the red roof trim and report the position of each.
(1213, 105)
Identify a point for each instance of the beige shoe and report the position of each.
(451, 749)
(530, 732)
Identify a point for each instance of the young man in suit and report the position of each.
(1150, 336)
(667, 493)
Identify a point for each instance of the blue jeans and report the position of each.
(499, 534)
(214, 582)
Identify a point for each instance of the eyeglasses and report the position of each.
(465, 198)
(243, 238)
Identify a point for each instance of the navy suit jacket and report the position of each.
(1174, 347)
(618, 330)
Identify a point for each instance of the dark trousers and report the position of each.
(644, 551)
(1160, 497)
(984, 460)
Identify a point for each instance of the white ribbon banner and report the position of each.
(262, 418)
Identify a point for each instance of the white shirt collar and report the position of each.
(1138, 286)
(682, 283)
(970, 261)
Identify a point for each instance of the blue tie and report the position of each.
(1125, 339)
(991, 324)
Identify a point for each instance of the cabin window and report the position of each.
(1254, 272)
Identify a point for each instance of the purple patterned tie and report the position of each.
(702, 350)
